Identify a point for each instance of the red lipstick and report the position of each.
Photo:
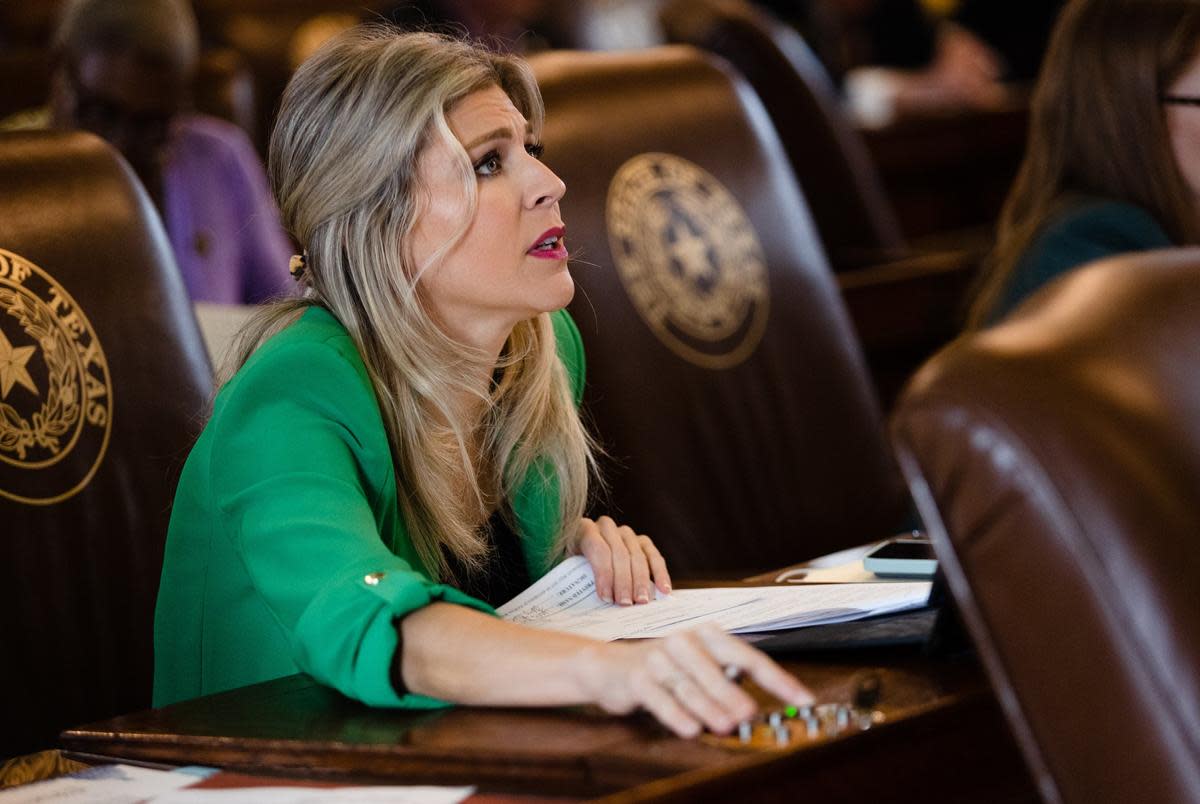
(550, 245)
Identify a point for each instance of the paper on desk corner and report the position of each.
(565, 600)
(103, 784)
(392, 794)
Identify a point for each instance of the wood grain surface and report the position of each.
(939, 730)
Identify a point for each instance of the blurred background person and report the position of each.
(123, 69)
(897, 58)
(1113, 159)
(893, 59)
(1017, 30)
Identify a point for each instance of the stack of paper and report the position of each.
(566, 600)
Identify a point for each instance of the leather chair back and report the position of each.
(1056, 462)
(845, 193)
(103, 386)
(723, 373)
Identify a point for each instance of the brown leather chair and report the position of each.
(1056, 462)
(103, 385)
(844, 192)
(904, 304)
(723, 373)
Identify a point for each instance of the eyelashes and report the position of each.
(490, 164)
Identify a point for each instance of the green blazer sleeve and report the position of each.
(288, 478)
(286, 551)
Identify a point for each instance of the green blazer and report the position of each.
(1084, 230)
(286, 551)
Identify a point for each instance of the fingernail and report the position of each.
(643, 596)
(606, 597)
(625, 601)
(666, 587)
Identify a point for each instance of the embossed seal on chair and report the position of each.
(55, 392)
(689, 259)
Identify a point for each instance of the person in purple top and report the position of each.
(223, 224)
(123, 70)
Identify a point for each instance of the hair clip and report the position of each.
(297, 264)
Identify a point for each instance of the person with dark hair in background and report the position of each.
(123, 70)
(1113, 160)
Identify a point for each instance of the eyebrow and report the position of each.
(502, 133)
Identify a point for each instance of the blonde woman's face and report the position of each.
(512, 262)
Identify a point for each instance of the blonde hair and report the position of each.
(343, 164)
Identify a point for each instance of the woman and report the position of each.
(1113, 161)
(404, 440)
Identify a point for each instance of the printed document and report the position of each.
(127, 784)
(566, 600)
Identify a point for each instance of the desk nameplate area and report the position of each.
(295, 727)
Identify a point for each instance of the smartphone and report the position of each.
(902, 558)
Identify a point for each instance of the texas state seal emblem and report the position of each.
(688, 258)
(55, 392)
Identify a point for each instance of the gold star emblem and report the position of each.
(691, 251)
(12, 367)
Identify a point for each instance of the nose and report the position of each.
(545, 187)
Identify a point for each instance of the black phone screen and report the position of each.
(920, 551)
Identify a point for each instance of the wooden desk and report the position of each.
(942, 739)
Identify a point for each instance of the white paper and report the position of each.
(319, 795)
(844, 566)
(103, 784)
(565, 600)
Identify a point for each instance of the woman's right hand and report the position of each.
(683, 681)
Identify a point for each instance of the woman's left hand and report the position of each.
(624, 563)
